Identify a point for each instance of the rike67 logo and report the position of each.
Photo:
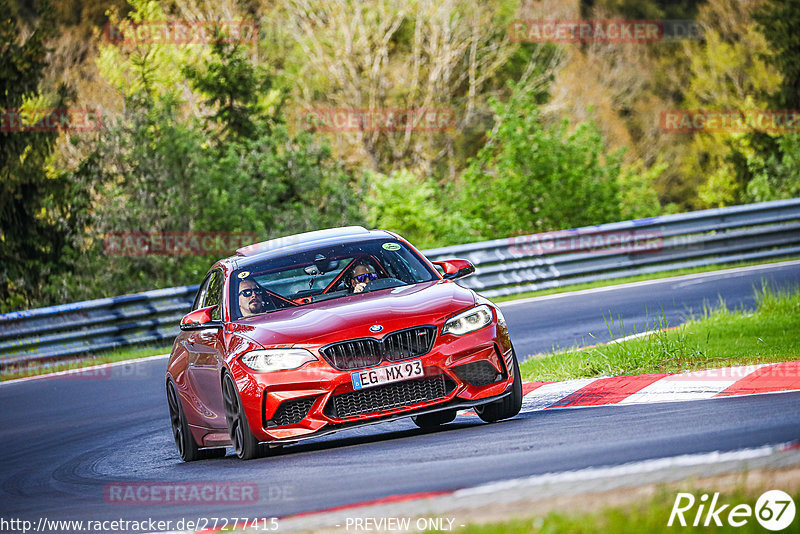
(774, 510)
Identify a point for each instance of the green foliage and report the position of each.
(154, 68)
(155, 170)
(645, 9)
(773, 163)
(197, 137)
(776, 175)
(778, 20)
(35, 213)
(729, 70)
(637, 195)
(415, 208)
(232, 85)
(531, 177)
(381, 55)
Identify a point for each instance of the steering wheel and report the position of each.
(382, 283)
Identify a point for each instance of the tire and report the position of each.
(508, 406)
(244, 442)
(187, 446)
(429, 421)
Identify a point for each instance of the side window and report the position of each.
(201, 293)
(213, 296)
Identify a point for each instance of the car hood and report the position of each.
(352, 316)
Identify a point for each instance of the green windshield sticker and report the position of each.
(391, 246)
(244, 274)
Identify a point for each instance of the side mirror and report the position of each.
(200, 319)
(455, 269)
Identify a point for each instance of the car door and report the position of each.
(204, 356)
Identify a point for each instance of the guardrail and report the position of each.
(503, 267)
(556, 259)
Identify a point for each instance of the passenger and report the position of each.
(362, 274)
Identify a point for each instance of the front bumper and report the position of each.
(459, 372)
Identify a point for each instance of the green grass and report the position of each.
(35, 368)
(650, 516)
(639, 278)
(718, 338)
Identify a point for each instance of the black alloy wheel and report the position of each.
(244, 442)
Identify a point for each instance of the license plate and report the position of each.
(387, 374)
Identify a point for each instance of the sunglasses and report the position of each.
(366, 277)
(248, 292)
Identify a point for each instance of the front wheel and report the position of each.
(508, 406)
(187, 446)
(244, 442)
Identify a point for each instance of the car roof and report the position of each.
(299, 243)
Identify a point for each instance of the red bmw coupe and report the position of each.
(302, 336)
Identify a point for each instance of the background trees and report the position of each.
(530, 177)
(215, 137)
(36, 207)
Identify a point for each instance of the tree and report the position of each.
(777, 20)
(728, 72)
(774, 160)
(417, 209)
(391, 54)
(158, 170)
(233, 86)
(35, 208)
(533, 178)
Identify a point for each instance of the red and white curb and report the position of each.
(643, 389)
(617, 390)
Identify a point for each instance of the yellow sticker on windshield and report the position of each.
(244, 274)
(391, 246)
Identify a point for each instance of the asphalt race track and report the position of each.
(64, 440)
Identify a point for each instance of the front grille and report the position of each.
(291, 412)
(381, 398)
(369, 352)
(478, 373)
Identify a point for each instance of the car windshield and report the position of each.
(323, 274)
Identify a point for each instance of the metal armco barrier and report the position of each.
(503, 267)
(85, 327)
(556, 259)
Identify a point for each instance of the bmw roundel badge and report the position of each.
(375, 328)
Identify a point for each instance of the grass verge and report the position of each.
(650, 515)
(640, 278)
(35, 368)
(719, 338)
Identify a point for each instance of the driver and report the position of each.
(252, 298)
(362, 274)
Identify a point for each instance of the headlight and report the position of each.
(277, 359)
(468, 321)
